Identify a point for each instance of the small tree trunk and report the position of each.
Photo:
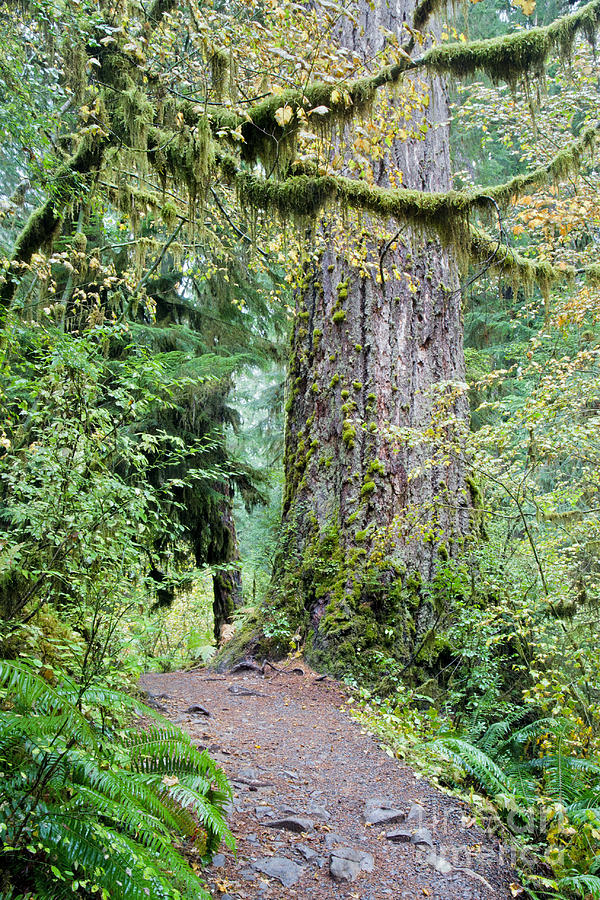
(227, 582)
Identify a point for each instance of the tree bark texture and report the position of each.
(367, 515)
(223, 552)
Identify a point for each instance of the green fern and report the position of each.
(505, 765)
(99, 809)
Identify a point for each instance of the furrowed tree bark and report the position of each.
(368, 515)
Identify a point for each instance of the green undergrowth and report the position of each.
(93, 805)
(527, 779)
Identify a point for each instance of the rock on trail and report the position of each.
(320, 811)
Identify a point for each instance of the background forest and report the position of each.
(173, 175)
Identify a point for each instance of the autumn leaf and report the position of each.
(283, 115)
(526, 6)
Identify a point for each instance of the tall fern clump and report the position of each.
(548, 796)
(90, 809)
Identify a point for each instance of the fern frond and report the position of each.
(582, 885)
(101, 851)
(477, 763)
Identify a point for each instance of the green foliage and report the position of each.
(92, 809)
(546, 794)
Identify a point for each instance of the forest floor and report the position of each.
(320, 810)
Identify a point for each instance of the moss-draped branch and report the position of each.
(504, 58)
(305, 195)
(445, 214)
(44, 221)
(509, 57)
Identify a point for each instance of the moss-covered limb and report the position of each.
(305, 196)
(509, 57)
(43, 222)
(505, 261)
(505, 58)
(445, 213)
(566, 162)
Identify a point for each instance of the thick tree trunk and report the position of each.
(367, 515)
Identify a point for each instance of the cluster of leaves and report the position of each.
(91, 809)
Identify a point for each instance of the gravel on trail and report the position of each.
(320, 811)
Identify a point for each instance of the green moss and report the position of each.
(357, 385)
(361, 536)
(339, 316)
(345, 394)
(358, 348)
(509, 57)
(342, 290)
(367, 488)
(315, 388)
(348, 434)
(335, 380)
(376, 466)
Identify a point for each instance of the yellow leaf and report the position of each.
(526, 6)
(283, 114)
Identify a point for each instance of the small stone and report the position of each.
(346, 864)
(415, 814)
(422, 837)
(252, 839)
(248, 874)
(263, 811)
(307, 852)
(292, 823)
(376, 803)
(318, 811)
(440, 864)
(400, 835)
(332, 839)
(284, 870)
(218, 860)
(385, 816)
(382, 812)
(197, 710)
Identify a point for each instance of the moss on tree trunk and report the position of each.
(367, 515)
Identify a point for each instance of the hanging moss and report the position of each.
(424, 11)
(509, 57)
(444, 214)
(219, 69)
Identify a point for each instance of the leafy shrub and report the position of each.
(548, 797)
(91, 809)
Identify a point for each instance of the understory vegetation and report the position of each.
(183, 184)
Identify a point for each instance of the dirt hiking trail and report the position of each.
(320, 810)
